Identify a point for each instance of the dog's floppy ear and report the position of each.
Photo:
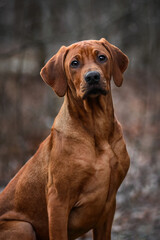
(120, 61)
(53, 72)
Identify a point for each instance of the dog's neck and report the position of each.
(95, 116)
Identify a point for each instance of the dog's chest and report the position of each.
(93, 196)
(94, 193)
(93, 171)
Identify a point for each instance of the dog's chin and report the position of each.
(94, 92)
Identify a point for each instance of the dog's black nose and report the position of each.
(92, 77)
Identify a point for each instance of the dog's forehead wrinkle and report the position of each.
(84, 53)
(87, 49)
(83, 43)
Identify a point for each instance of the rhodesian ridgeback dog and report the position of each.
(69, 186)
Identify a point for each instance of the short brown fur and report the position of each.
(69, 186)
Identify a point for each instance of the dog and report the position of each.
(69, 186)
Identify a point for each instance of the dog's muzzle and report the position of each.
(94, 86)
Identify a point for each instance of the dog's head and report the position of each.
(85, 68)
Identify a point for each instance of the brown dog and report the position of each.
(69, 186)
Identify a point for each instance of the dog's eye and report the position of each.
(74, 64)
(102, 58)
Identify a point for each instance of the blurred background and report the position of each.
(31, 31)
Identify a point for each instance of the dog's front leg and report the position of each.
(58, 218)
(103, 229)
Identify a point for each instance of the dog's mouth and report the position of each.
(94, 91)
